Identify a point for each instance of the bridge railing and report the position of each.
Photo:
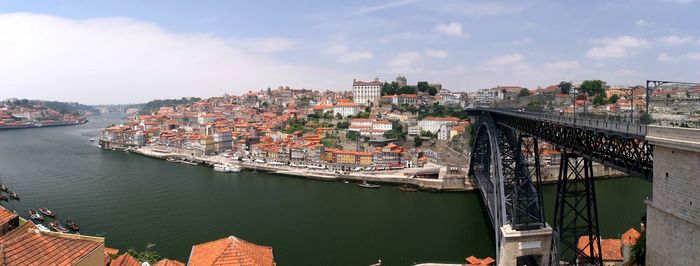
(612, 123)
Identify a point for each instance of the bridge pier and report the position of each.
(526, 247)
(576, 214)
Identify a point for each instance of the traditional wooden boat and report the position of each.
(14, 195)
(47, 212)
(35, 215)
(3, 197)
(407, 188)
(73, 226)
(364, 184)
(3, 188)
(56, 226)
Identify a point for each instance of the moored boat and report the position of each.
(364, 184)
(92, 139)
(14, 195)
(235, 168)
(407, 188)
(73, 226)
(221, 168)
(3, 188)
(56, 226)
(47, 212)
(3, 197)
(35, 215)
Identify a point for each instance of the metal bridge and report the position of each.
(505, 163)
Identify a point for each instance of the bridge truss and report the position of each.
(505, 161)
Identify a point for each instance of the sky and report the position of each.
(107, 52)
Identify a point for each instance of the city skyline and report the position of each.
(77, 52)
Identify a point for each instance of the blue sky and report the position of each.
(134, 51)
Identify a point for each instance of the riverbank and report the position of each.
(393, 177)
(444, 182)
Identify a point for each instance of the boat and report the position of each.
(73, 226)
(3, 188)
(56, 226)
(47, 212)
(14, 195)
(3, 197)
(224, 168)
(188, 162)
(171, 159)
(364, 184)
(235, 168)
(346, 182)
(41, 227)
(407, 188)
(92, 139)
(35, 215)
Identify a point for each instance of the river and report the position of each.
(132, 200)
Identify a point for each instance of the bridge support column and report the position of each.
(526, 247)
(576, 214)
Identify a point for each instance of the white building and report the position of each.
(346, 109)
(370, 127)
(433, 124)
(445, 131)
(366, 92)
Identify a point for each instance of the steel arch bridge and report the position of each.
(505, 162)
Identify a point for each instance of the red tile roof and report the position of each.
(630, 237)
(168, 262)
(6, 215)
(612, 248)
(32, 247)
(230, 251)
(125, 260)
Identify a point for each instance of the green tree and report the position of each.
(593, 87)
(338, 116)
(524, 92)
(565, 87)
(646, 119)
(432, 91)
(614, 98)
(422, 86)
(151, 256)
(352, 135)
(534, 107)
(407, 90)
(600, 100)
(343, 125)
(417, 141)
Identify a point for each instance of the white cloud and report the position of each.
(372, 9)
(123, 60)
(523, 41)
(674, 40)
(484, 9)
(405, 59)
(693, 56)
(399, 36)
(355, 56)
(615, 47)
(562, 65)
(336, 49)
(345, 55)
(266, 45)
(641, 22)
(451, 29)
(505, 59)
(666, 58)
(436, 53)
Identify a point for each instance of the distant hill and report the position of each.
(66, 108)
(154, 105)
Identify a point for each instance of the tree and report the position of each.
(432, 91)
(614, 98)
(600, 100)
(646, 119)
(417, 141)
(338, 116)
(407, 90)
(565, 87)
(422, 86)
(593, 87)
(534, 107)
(150, 256)
(343, 125)
(352, 135)
(524, 92)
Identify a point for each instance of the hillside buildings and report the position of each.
(366, 93)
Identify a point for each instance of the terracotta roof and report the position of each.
(125, 260)
(19, 231)
(33, 247)
(630, 237)
(612, 248)
(168, 262)
(111, 251)
(230, 251)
